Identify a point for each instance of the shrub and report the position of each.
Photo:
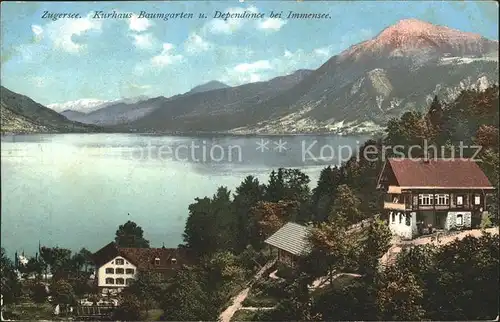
(129, 309)
(62, 293)
(486, 221)
(38, 292)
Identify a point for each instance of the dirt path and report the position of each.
(238, 299)
(253, 308)
(323, 281)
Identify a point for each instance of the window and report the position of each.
(130, 271)
(110, 280)
(173, 261)
(400, 218)
(157, 261)
(119, 261)
(110, 270)
(460, 200)
(477, 200)
(408, 220)
(442, 200)
(129, 281)
(425, 200)
(394, 217)
(120, 281)
(460, 220)
(119, 271)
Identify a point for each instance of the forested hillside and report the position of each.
(416, 288)
(226, 232)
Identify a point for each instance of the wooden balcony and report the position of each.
(394, 206)
(394, 190)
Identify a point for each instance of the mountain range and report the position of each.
(20, 114)
(358, 90)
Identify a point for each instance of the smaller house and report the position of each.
(117, 267)
(290, 243)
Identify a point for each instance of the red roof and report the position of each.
(440, 173)
(144, 258)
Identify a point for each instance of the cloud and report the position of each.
(253, 67)
(139, 24)
(144, 41)
(166, 57)
(324, 51)
(273, 24)
(284, 64)
(137, 86)
(38, 32)
(39, 82)
(231, 25)
(62, 32)
(247, 72)
(195, 44)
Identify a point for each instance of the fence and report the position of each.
(94, 312)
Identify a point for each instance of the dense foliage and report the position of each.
(226, 232)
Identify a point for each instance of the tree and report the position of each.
(211, 224)
(465, 285)
(400, 296)
(487, 137)
(147, 287)
(323, 195)
(131, 235)
(247, 195)
(435, 118)
(287, 184)
(62, 292)
(11, 286)
(82, 260)
(409, 129)
(39, 292)
(297, 305)
(347, 205)
(187, 299)
(58, 259)
(377, 242)
(223, 272)
(351, 301)
(332, 246)
(35, 265)
(271, 216)
(129, 309)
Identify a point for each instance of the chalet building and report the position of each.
(422, 196)
(117, 267)
(289, 243)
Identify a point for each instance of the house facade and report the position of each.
(117, 267)
(289, 243)
(423, 196)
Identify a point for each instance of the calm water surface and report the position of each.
(73, 190)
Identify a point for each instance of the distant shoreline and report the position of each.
(194, 134)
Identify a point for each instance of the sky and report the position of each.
(107, 59)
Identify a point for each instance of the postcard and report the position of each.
(249, 160)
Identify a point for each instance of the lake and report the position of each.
(74, 190)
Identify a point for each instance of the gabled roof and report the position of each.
(105, 254)
(438, 173)
(143, 258)
(292, 238)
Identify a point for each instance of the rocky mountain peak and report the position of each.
(413, 37)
